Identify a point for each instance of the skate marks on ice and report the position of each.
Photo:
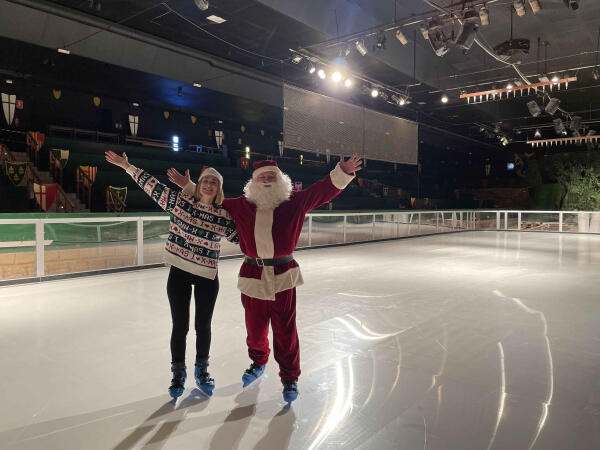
(158, 422)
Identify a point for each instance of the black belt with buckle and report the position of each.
(268, 261)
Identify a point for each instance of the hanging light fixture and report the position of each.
(444, 98)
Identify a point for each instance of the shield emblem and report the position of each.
(193, 119)
(166, 114)
(60, 157)
(57, 93)
(96, 101)
(45, 194)
(15, 171)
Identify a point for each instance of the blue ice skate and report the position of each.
(203, 380)
(179, 375)
(252, 373)
(290, 391)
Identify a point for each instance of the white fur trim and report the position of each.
(189, 188)
(260, 170)
(214, 173)
(263, 233)
(339, 178)
(269, 284)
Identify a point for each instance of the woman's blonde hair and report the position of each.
(220, 195)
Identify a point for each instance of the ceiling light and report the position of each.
(201, 4)
(484, 16)
(519, 7)
(297, 58)
(552, 106)
(537, 134)
(509, 86)
(348, 82)
(9, 81)
(573, 4)
(402, 102)
(360, 47)
(374, 92)
(64, 51)
(216, 19)
(535, 6)
(136, 104)
(322, 74)
(311, 68)
(444, 98)
(534, 108)
(424, 32)
(336, 77)
(555, 79)
(559, 126)
(197, 84)
(505, 141)
(400, 36)
(381, 39)
(596, 74)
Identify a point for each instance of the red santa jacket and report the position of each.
(273, 233)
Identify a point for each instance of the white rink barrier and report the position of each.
(67, 245)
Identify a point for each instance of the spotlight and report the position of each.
(297, 58)
(63, 51)
(572, 4)
(552, 106)
(400, 36)
(484, 16)
(374, 92)
(505, 141)
(596, 74)
(175, 143)
(201, 4)
(424, 32)
(555, 79)
(322, 74)
(311, 68)
(509, 86)
(534, 108)
(444, 98)
(399, 100)
(348, 82)
(535, 6)
(381, 39)
(467, 35)
(559, 126)
(336, 77)
(360, 47)
(519, 7)
(537, 134)
(196, 84)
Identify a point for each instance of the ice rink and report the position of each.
(474, 340)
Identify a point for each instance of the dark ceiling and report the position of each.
(259, 34)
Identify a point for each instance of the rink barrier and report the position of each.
(60, 246)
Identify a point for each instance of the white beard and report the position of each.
(269, 196)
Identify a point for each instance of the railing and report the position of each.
(84, 187)
(53, 246)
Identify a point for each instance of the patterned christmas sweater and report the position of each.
(195, 229)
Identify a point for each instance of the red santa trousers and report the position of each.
(282, 315)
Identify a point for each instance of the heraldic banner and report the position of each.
(45, 194)
(15, 171)
(61, 157)
(91, 172)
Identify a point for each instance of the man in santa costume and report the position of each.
(269, 219)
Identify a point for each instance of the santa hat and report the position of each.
(264, 166)
(210, 171)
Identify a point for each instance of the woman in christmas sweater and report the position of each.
(198, 222)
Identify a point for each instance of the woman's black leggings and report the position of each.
(179, 290)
